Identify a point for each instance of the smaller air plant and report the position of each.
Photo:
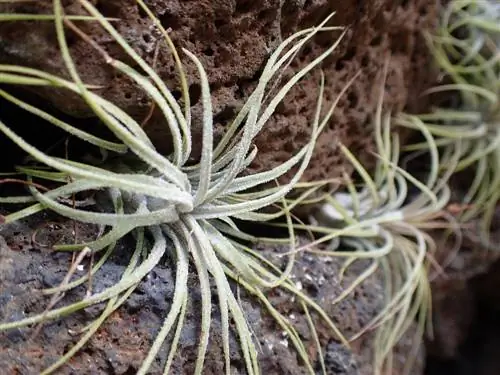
(386, 222)
(467, 49)
(170, 206)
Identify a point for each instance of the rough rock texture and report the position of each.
(26, 267)
(233, 38)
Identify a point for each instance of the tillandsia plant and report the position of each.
(170, 204)
(466, 47)
(386, 222)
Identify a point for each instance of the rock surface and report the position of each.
(233, 38)
(27, 267)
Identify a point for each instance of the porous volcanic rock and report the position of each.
(121, 344)
(233, 38)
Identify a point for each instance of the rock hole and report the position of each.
(107, 9)
(404, 3)
(332, 125)
(353, 99)
(169, 21)
(71, 38)
(219, 23)
(243, 6)
(265, 14)
(239, 93)
(351, 52)
(88, 351)
(376, 41)
(364, 61)
(289, 147)
(312, 290)
(390, 7)
(141, 12)
(225, 115)
(367, 122)
(127, 95)
(147, 38)
(130, 371)
(360, 7)
(208, 51)
(194, 93)
(176, 94)
(307, 50)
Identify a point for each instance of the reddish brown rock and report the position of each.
(233, 39)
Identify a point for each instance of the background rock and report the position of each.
(465, 307)
(233, 39)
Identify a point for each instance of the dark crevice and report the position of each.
(169, 21)
(349, 55)
(38, 132)
(244, 6)
(194, 93)
(479, 352)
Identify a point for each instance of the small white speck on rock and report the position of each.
(284, 343)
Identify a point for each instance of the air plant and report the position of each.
(467, 49)
(169, 205)
(386, 222)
